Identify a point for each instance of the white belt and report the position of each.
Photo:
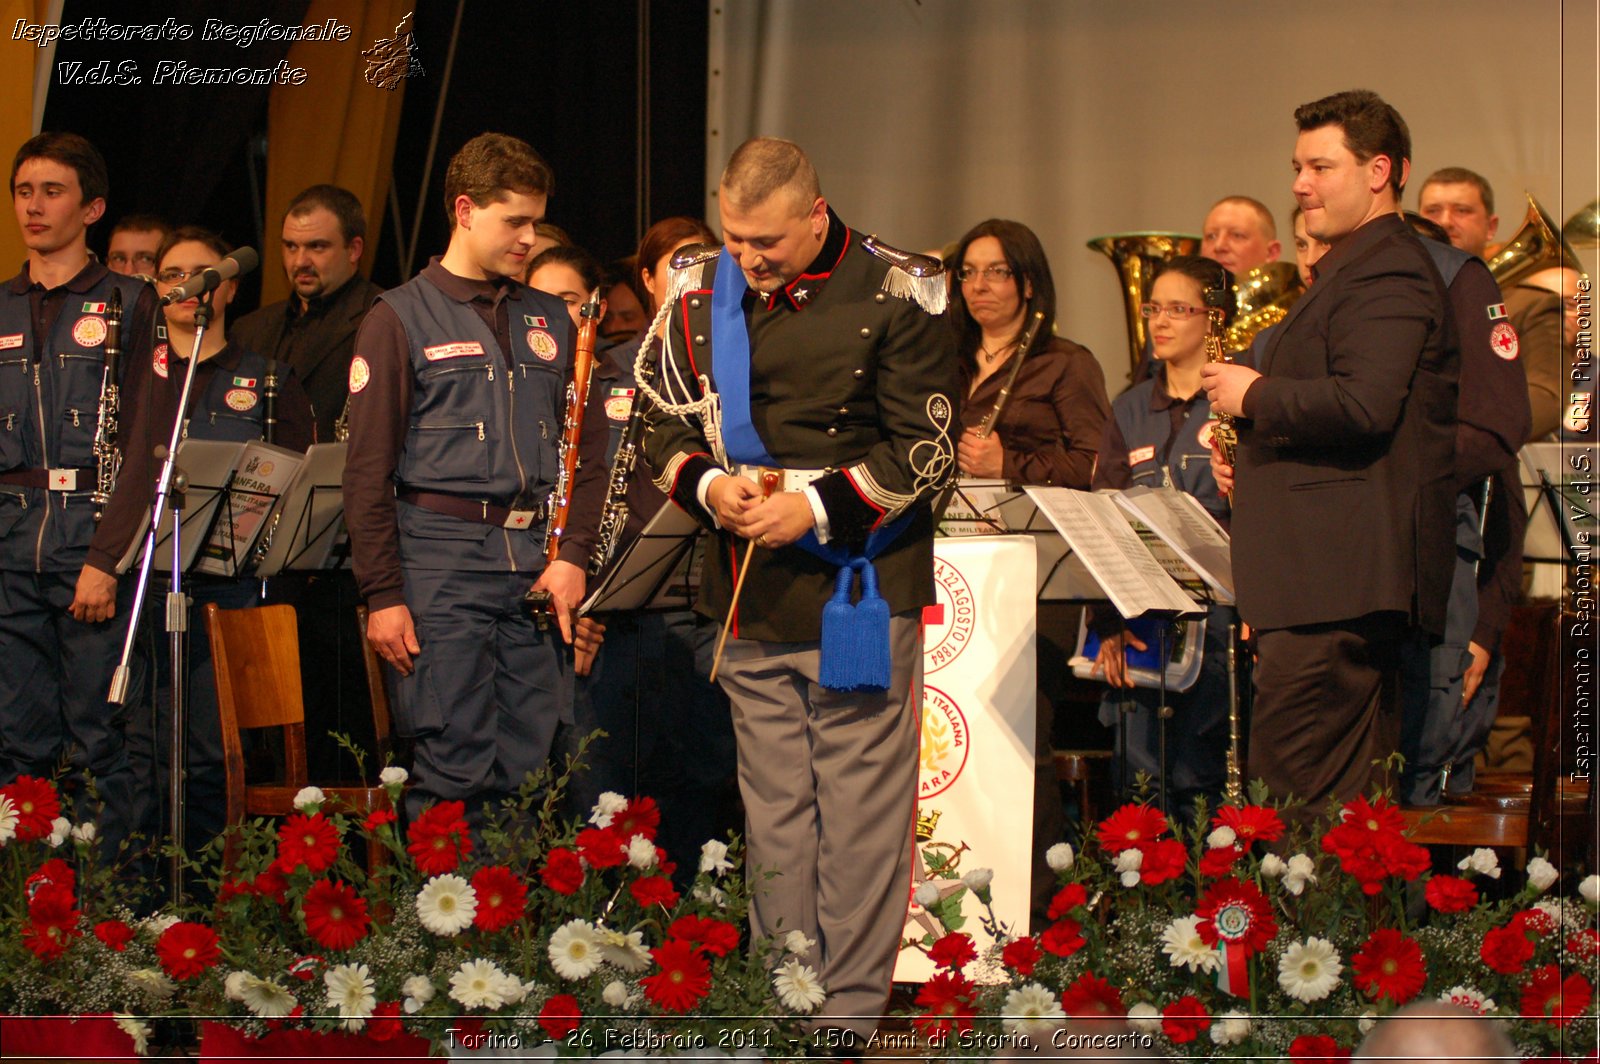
(788, 479)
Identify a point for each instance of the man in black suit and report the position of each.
(1344, 501)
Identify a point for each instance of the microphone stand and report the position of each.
(170, 488)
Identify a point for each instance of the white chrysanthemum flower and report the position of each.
(233, 985)
(8, 820)
(1366, 1021)
(1231, 1028)
(352, 992)
(712, 895)
(266, 998)
(154, 982)
(1145, 1018)
(641, 853)
(1481, 861)
(479, 984)
(797, 942)
(1184, 947)
(513, 990)
(1032, 1010)
(927, 894)
(1590, 889)
(1469, 998)
(714, 857)
(1223, 836)
(798, 987)
(1127, 866)
(615, 994)
(625, 950)
(978, 879)
(446, 905)
(1273, 866)
(134, 1029)
(155, 926)
(418, 991)
(393, 776)
(610, 804)
(85, 832)
(1541, 874)
(60, 828)
(309, 799)
(1060, 857)
(575, 950)
(1309, 970)
(1301, 872)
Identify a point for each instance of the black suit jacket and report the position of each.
(1344, 501)
(318, 344)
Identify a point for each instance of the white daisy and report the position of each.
(641, 853)
(1481, 861)
(623, 950)
(60, 828)
(446, 905)
(1541, 874)
(139, 1032)
(1309, 970)
(1469, 998)
(1273, 866)
(610, 804)
(1223, 836)
(418, 991)
(1145, 1018)
(153, 982)
(575, 950)
(352, 992)
(266, 998)
(309, 799)
(978, 879)
(798, 987)
(1300, 873)
(1590, 889)
(1032, 1010)
(797, 942)
(714, 857)
(478, 984)
(8, 820)
(1184, 947)
(1231, 1028)
(615, 994)
(393, 776)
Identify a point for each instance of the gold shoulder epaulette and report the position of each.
(912, 276)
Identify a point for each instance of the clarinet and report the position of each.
(107, 457)
(614, 514)
(269, 402)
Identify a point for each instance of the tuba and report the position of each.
(1137, 257)
(1537, 245)
(1263, 297)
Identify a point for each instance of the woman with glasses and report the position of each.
(1051, 424)
(1159, 435)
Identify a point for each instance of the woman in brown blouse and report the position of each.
(1051, 425)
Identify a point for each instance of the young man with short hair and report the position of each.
(135, 239)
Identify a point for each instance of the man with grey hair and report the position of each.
(1437, 1031)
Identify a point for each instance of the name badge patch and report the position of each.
(158, 361)
(240, 399)
(89, 331)
(543, 344)
(360, 374)
(8, 342)
(461, 349)
(617, 407)
(1141, 454)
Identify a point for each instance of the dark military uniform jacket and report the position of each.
(849, 373)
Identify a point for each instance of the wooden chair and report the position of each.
(1545, 808)
(1088, 771)
(257, 656)
(377, 690)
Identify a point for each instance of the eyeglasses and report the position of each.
(992, 274)
(1176, 311)
(177, 276)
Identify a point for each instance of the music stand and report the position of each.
(209, 466)
(306, 530)
(640, 578)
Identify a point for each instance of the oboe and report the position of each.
(107, 457)
(987, 427)
(269, 402)
(614, 514)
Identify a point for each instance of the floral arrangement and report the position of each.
(1208, 943)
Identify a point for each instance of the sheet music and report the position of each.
(263, 473)
(208, 465)
(1188, 531)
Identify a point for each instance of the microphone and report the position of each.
(240, 261)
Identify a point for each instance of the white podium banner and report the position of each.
(975, 800)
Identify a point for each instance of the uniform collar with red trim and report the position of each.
(804, 289)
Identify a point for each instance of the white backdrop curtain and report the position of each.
(1087, 117)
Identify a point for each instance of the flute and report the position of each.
(987, 427)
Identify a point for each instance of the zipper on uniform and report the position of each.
(44, 452)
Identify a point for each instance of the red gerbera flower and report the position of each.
(1451, 894)
(439, 838)
(52, 921)
(684, 978)
(501, 898)
(947, 997)
(114, 933)
(562, 871)
(1091, 995)
(560, 1016)
(1316, 1049)
(1237, 911)
(1218, 861)
(1506, 949)
(1063, 938)
(1130, 826)
(1184, 1019)
(716, 937)
(309, 842)
(654, 890)
(602, 847)
(1389, 965)
(336, 916)
(953, 951)
(640, 817)
(1067, 899)
(1163, 860)
(1377, 815)
(36, 804)
(1555, 1000)
(187, 950)
(1251, 823)
(384, 1023)
(1021, 955)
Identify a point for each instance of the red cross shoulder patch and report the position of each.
(1503, 338)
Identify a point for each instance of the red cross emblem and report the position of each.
(1503, 338)
(517, 520)
(62, 480)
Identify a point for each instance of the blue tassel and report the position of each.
(855, 637)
